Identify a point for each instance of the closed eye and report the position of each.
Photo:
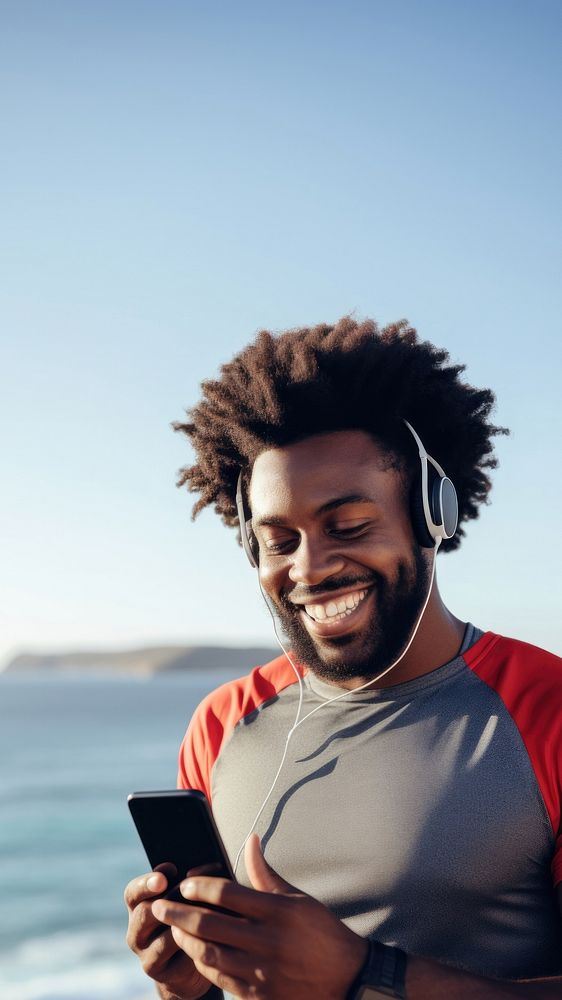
(276, 546)
(352, 531)
(286, 544)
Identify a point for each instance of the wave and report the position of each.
(96, 983)
(79, 965)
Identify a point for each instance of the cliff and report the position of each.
(146, 662)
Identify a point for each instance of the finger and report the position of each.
(144, 887)
(210, 926)
(262, 876)
(143, 927)
(231, 896)
(226, 968)
(157, 956)
(168, 868)
(212, 868)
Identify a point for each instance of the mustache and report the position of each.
(307, 594)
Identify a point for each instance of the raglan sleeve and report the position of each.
(555, 740)
(557, 861)
(200, 748)
(552, 742)
(529, 682)
(218, 715)
(211, 724)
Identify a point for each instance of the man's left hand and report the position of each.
(281, 943)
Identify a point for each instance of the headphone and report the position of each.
(433, 501)
(434, 507)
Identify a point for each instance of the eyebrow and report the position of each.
(280, 522)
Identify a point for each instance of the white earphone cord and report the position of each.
(298, 721)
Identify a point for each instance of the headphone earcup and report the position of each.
(247, 537)
(249, 541)
(419, 524)
(445, 508)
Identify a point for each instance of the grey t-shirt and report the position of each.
(414, 812)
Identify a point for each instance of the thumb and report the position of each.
(262, 876)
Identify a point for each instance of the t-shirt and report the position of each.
(425, 815)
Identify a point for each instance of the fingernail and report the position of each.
(152, 883)
(187, 888)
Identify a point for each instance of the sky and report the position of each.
(176, 176)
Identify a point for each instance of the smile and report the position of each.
(335, 610)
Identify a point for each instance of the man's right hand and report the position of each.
(159, 955)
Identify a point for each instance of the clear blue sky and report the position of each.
(177, 175)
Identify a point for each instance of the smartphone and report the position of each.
(178, 826)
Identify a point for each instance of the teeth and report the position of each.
(336, 609)
(317, 611)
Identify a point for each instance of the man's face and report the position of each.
(337, 553)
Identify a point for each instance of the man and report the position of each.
(402, 769)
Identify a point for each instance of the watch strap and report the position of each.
(383, 973)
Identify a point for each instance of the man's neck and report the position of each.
(437, 641)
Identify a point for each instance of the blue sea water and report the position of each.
(71, 749)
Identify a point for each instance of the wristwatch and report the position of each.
(382, 975)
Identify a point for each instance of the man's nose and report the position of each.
(312, 563)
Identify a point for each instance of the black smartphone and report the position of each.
(178, 826)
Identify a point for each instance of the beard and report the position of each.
(394, 617)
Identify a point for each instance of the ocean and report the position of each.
(71, 749)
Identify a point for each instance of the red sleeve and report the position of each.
(529, 682)
(219, 713)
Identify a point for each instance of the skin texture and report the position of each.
(284, 944)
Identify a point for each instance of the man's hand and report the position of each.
(282, 944)
(160, 956)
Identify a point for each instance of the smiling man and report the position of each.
(399, 768)
(348, 608)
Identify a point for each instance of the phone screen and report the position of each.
(178, 826)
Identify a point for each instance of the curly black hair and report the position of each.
(353, 375)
